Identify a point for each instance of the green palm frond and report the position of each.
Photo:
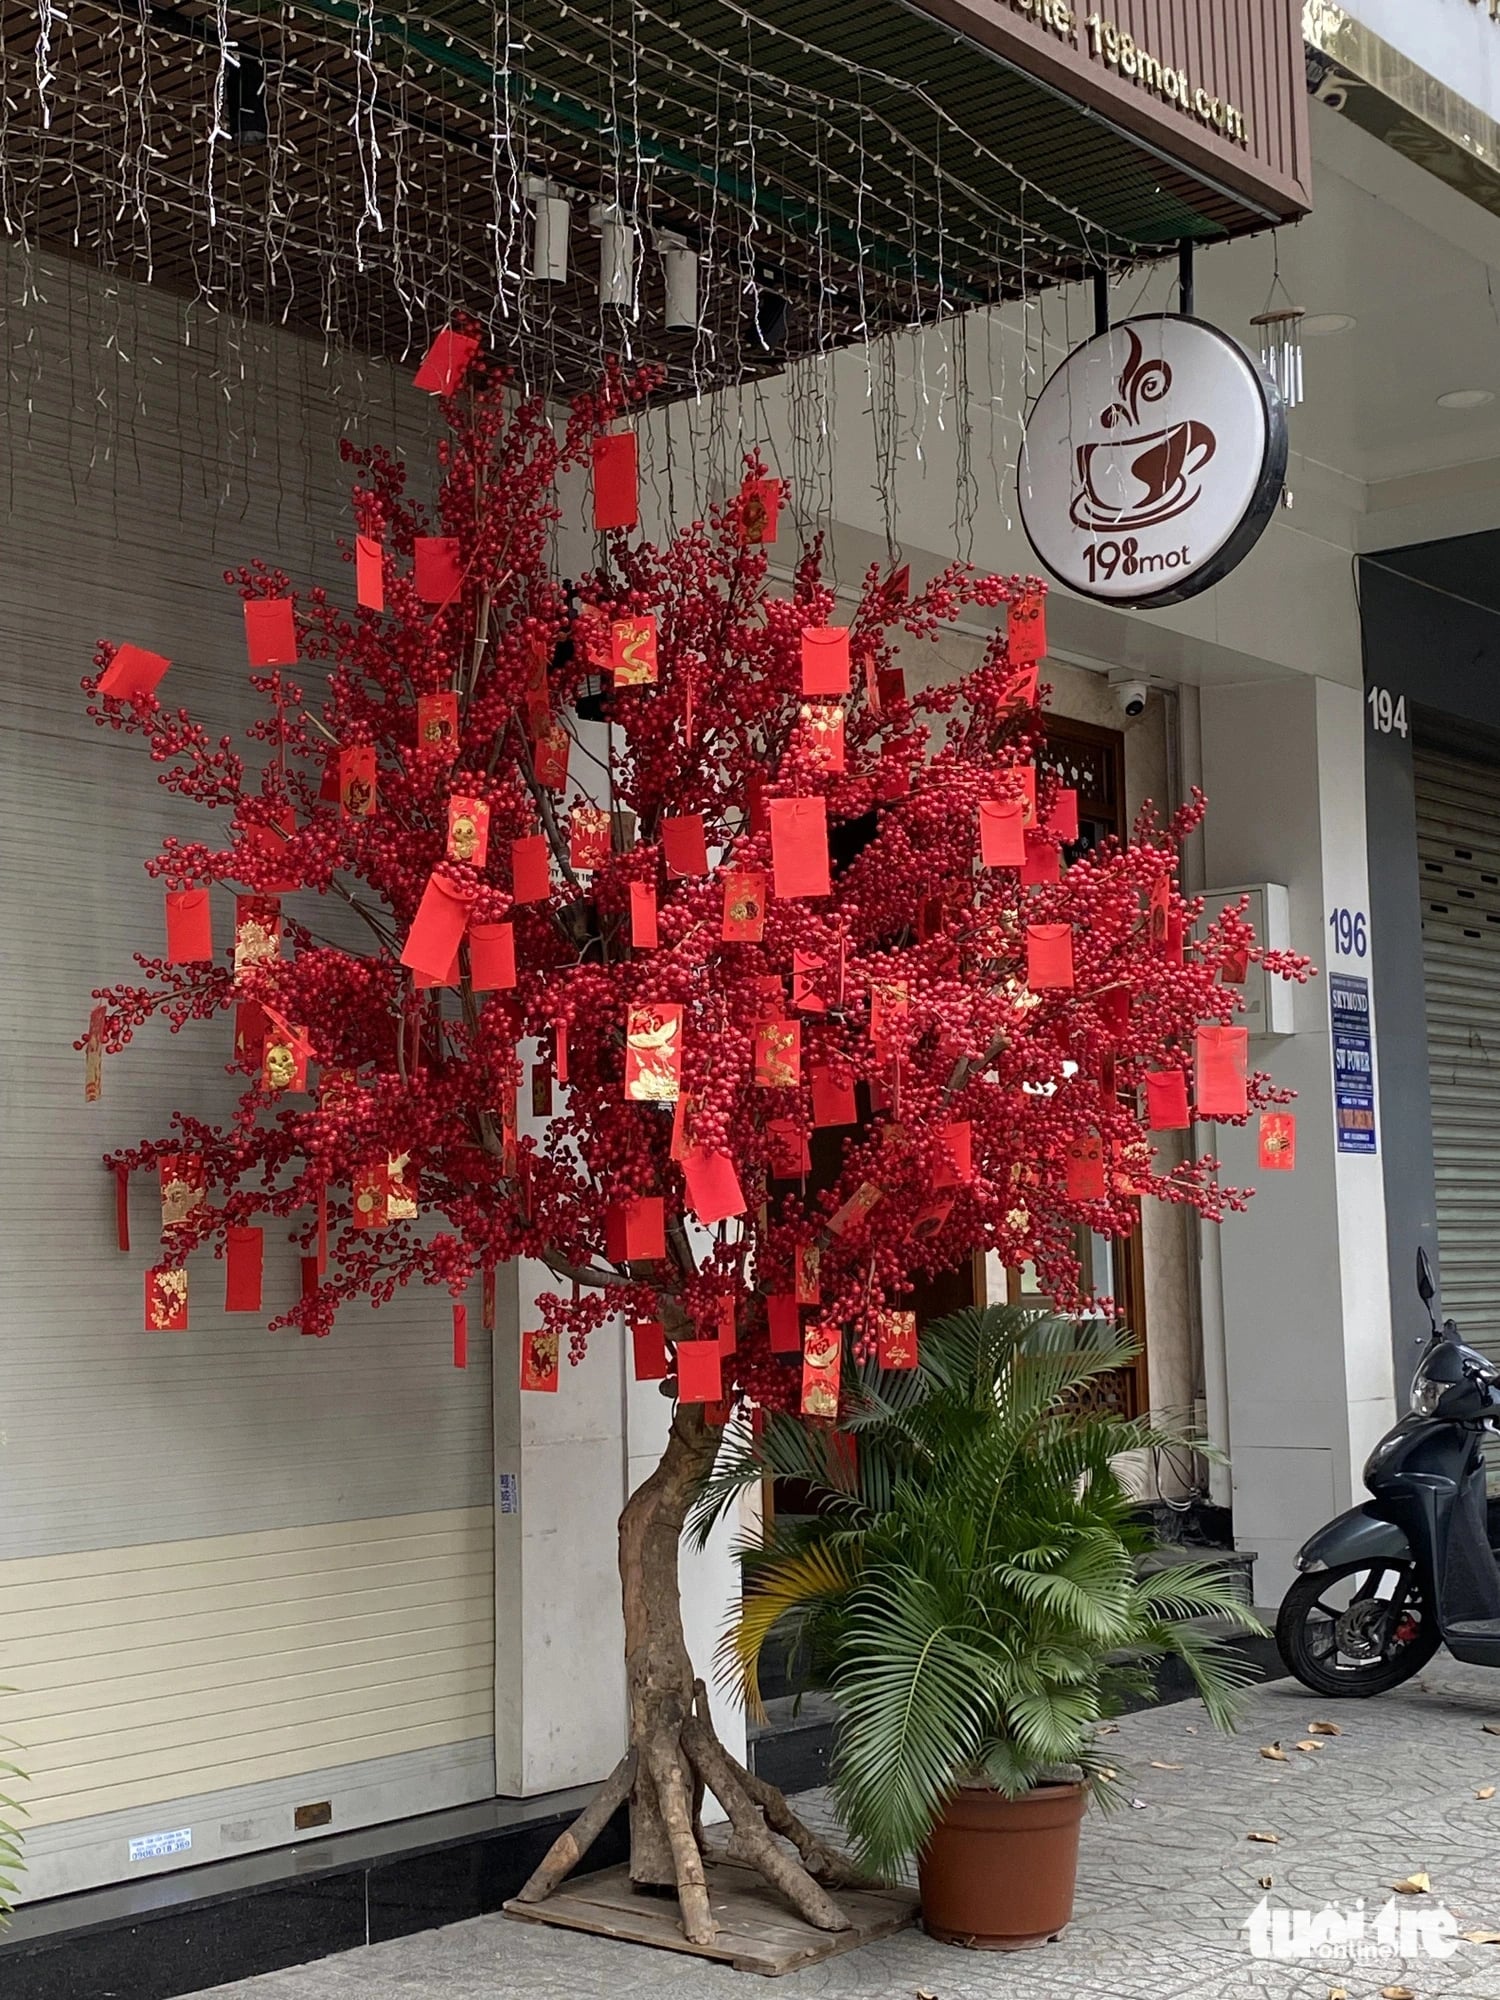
(11, 1864)
(778, 1590)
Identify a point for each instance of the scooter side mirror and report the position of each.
(1426, 1289)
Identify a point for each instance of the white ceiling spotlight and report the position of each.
(549, 242)
(680, 267)
(616, 255)
(1465, 399)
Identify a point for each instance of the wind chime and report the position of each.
(1280, 328)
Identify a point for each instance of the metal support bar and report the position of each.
(1101, 302)
(1185, 292)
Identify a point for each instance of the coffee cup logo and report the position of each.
(1141, 477)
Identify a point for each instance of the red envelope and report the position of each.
(891, 683)
(1167, 1100)
(636, 1228)
(539, 1362)
(560, 1050)
(132, 674)
(437, 929)
(166, 1301)
(492, 957)
(357, 781)
(437, 569)
(428, 982)
(807, 970)
(1236, 969)
(616, 501)
(183, 1185)
(1062, 818)
(683, 845)
(760, 505)
(788, 1149)
(370, 1195)
(728, 1339)
(369, 573)
(820, 734)
(1114, 1008)
(1160, 909)
(653, 1054)
(957, 1167)
(1278, 1141)
(437, 722)
(784, 1323)
(551, 755)
(632, 650)
(243, 1265)
(713, 1186)
(644, 934)
(700, 1371)
(890, 1008)
(190, 935)
(284, 1056)
(896, 1339)
(1002, 833)
(1026, 639)
(310, 1276)
(648, 1340)
(122, 1207)
(1172, 950)
(268, 843)
(1049, 957)
(1221, 1088)
(468, 830)
(778, 1054)
(1085, 1180)
(1020, 691)
(799, 846)
(744, 919)
(864, 1198)
(530, 869)
(588, 839)
(825, 659)
(1026, 775)
(249, 1031)
(460, 1335)
(832, 1102)
(822, 1361)
(271, 632)
(807, 1278)
(1043, 864)
(446, 362)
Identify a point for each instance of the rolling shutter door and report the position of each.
(1458, 845)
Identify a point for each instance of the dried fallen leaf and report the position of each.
(1309, 1744)
(1191, 1730)
(1324, 1729)
(1108, 1729)
(1419, 1884)
(1491, 1728)
(1264, 1881)
(923, 1994)
(1397, 1993)
(1480, 1937)
(1275, 1752)
(1338, 1993)
(1269, 1838)
(1485, 1792)
(1105, 1771)
(1165, 1767)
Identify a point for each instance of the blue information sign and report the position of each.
(1353, 1063)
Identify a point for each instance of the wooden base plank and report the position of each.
(758, 1932)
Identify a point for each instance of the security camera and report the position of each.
(1130, 697)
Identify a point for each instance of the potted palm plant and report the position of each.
(970, 1587)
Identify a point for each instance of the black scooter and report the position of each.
(1383, 1586)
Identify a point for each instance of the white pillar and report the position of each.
(1306, 1313)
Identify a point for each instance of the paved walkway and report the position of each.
(1164, 1889)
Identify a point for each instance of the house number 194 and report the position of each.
(1387, 711)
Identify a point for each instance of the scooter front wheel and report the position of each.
(1359, 1629)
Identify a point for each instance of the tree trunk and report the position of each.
(674, 1755)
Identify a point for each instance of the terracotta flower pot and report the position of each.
(998, 1874)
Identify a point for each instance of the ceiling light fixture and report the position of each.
(1465, 399)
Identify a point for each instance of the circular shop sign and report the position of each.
(1152, 462)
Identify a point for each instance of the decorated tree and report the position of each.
(795, 962)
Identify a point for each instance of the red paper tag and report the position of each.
(257, 933)
(93, 1057)
(357, 781)
(1026, 638)
(825, 659)
(1235, 969)
(284, 1057)
(588, 839)
(799, 846)
(1278, 1141)
(864, 1198)
(550, 759)
(430, 982)
(468, 830)
(1085, 1155)
(896, 1339)
(648, 1340)
(822, 1358)
(700, 1371)
(1062, 817)
(683, 845)
(808, 972)
(560, 1050)
(460, 1335)
(643, 929)
(820, 734)
(808, 1271)
(1223, 1065)
(190, 936)
(369, 573)
(784, 1323)
(267, 842)
(788, 1150)
(890, 1009)
(744, 920)
(166, 1301)
(244, 1262)
(1025, 775)
(530, 869)
(1002, 833)
(632, 650)
(1020, 691)
(1160, 910)
(956, 1166)
(492, 957)
(437, 570)
(1167, 1100)
(713, 1186)
(616, 500)
(635, 1229)
(760, 506)
(1043, 864)
(778, 1054)
(653, 1054)
(122, 1208)
(437, 722)
(446, 362)
(539, 1362)
(183, 1186)
(832, 1101)
(437, 929)
(132, 674)
(370, 1195)
(250, 1026)
(271, 632)
(1049, 957)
